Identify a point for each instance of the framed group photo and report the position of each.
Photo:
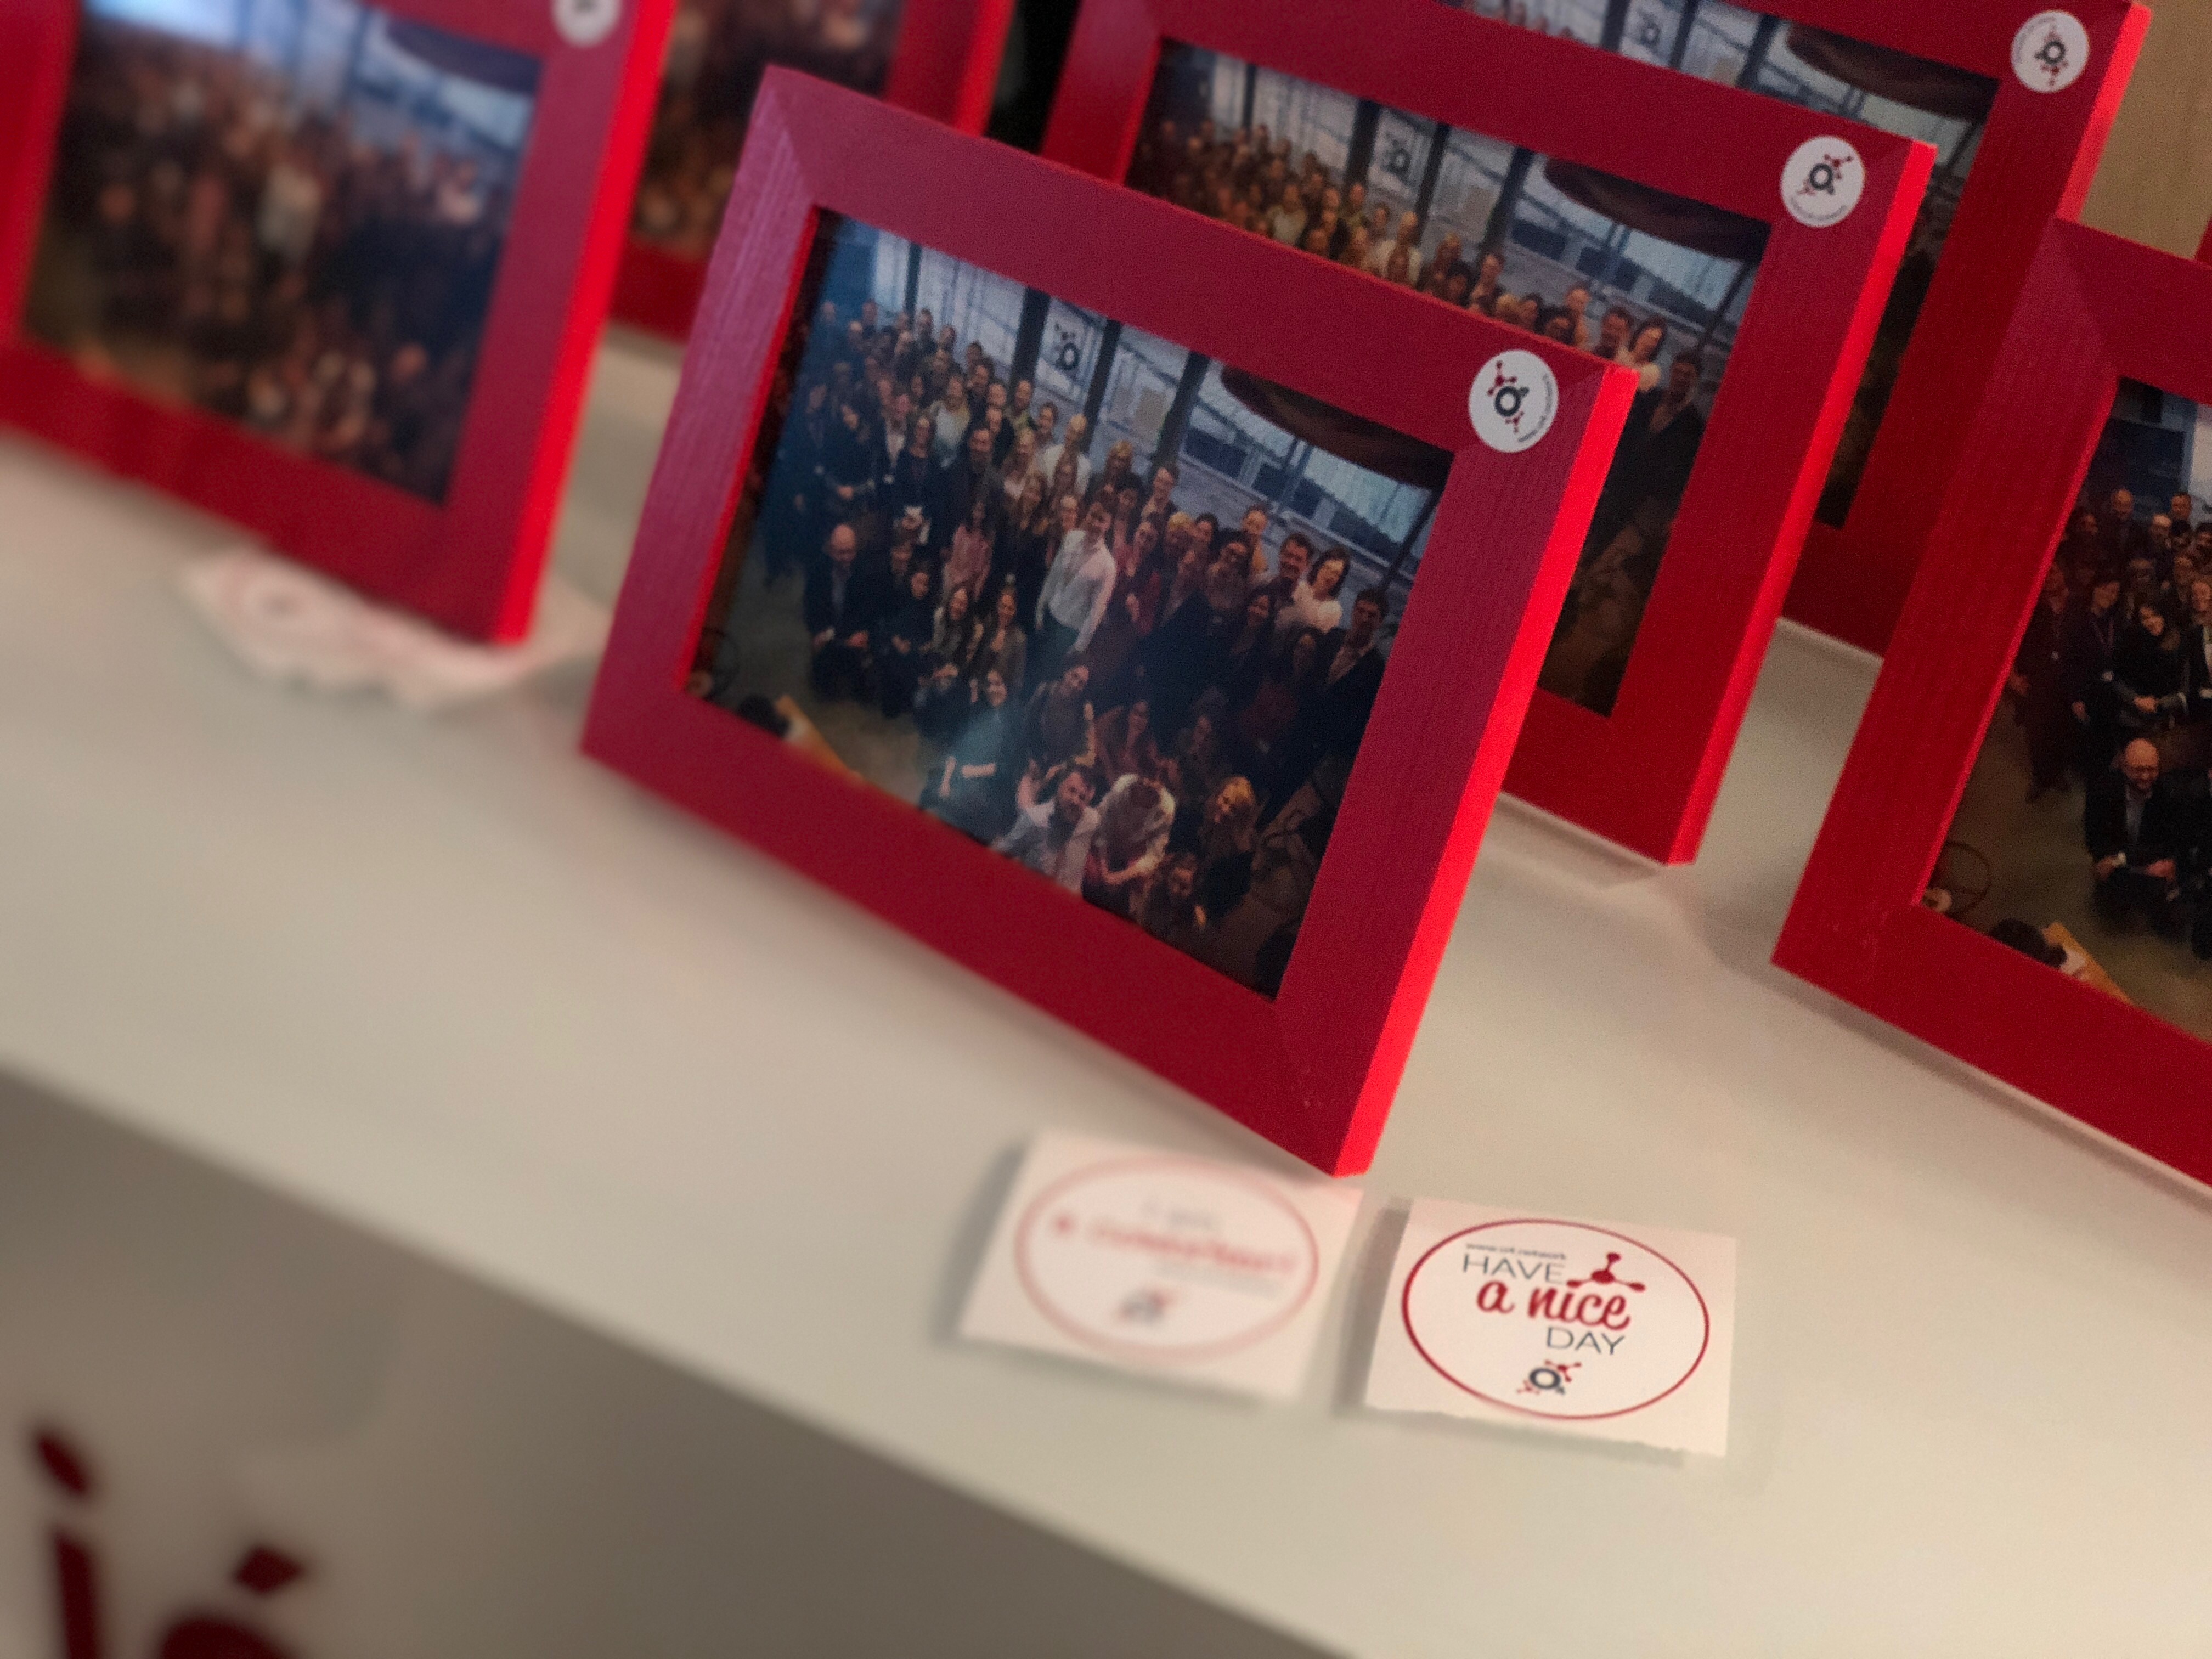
(331, 269)
(1050, 572)
(2017, 98)
(2017, 864)
(937, 58)
(1504, 174)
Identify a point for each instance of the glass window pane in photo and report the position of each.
(1321, 117)
(1150, 693)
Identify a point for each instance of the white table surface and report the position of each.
(445, 978)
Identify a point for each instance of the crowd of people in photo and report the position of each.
(1153, 707)
(2112, 686)
(1252, 179)
(211, 239)
(717, 53)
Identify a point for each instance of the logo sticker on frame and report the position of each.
(1556, 1319)
(1821, 181)
(2049, 51)
(1513, 402)
(586, 22)
(1171, 1258)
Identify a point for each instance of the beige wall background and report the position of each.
(2154, 183)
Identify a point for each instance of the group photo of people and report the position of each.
(2085, 834)
(1478, 224)
(717, 52)
(289, 213)
(1812, 68)
(1081, 594)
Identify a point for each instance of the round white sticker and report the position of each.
(586, 22)
(1556, 1318)
(1821, 181)
(1514, 400)
(1155, 1258)
(2049, 51)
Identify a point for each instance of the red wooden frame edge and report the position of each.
(2036, 159)
(1373, 932)
(471, 564)
(2094, 309)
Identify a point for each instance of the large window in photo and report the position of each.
(717, 52)
(1893, 90)
(1114, 609)
(1645, 279)
(2084, 836)
(289, 213)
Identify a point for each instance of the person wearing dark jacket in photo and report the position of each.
(968, 478)
(2121, 539)
(2191, 791)
(909, 483)
(794, 492)
(973, 789)
(2147, 673)
(1353, 672)
(2134, 832)
(838, 618)
(2039, 686)
(2087, 644)
(1659, 447)
(2197, 653)
(1333, 717)
(899, 639)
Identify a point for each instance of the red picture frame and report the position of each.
(2094, 309)
(1314, 1069)
(2038, 155)
(946, 66)
(1644, 776)
(470, 563)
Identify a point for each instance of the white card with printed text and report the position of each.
(1162, 1264)
(1593, 1328)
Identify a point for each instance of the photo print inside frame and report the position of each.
(1942, 104)
(1114, 608)
(288, 214)
(1653, 281)
(2084, 836)
(717, 50)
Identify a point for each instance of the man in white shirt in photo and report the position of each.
(1077, 590)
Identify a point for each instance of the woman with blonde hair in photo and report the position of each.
(1019, 465)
